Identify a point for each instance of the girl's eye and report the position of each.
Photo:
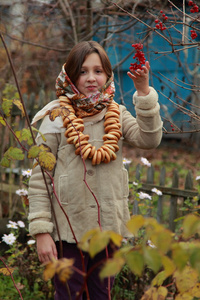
(99, 71)
(83, 71)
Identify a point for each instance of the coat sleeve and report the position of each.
(39, 204)
(144, 131)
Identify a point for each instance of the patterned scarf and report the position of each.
(84, 106)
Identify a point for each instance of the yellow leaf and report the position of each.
(84, 242)
(98, 242)
(6, 271)
(161, 293)
(135, 223)
(191, 225)
(162, 239)
(148, 295)
(186, 279)
(50, 270)
(180, 255)
(62, 267)
(57, 112)
(116, 238)
(168, 265)
(195, 291)
(184, 296)
(112, 267)
(47, 160)
(159, 279)
(19, 105)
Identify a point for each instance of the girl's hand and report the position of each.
(141, 79)
(46, 247)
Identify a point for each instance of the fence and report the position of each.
(35, 102)
(175, 194)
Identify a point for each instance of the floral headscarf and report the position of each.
(84, 106)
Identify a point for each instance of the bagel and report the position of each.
(111, 114)
(107, 158)
(86, 153)
(99, 157)
(102, 153)
(109, 136)
(110, 142)
(92, 151)
(94, 158)
(110, 121)
(110, 127)
(81, 143)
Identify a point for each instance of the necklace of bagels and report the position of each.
(74, 134)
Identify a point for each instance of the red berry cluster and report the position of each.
(193, 34)
(139, 56)
(160, 24)
(194, 8)
(172, 126)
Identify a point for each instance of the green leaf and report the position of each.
(112, 267)
(135, 261)
(191, 225)
(186, 279)
(24, 135)
(159, 279)
(47, 160)
(2, 121)
(152, 258)
(14, 153)
(180, 256)
(98, 242)
(7, 106)
(162, 239)
(135, 223)
(5, 162)
(33, 151)
(84, 242)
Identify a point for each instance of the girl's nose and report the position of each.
(91, 77)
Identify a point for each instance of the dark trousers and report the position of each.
(98, 289)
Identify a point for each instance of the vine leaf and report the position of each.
(47, 160)
(135, 223)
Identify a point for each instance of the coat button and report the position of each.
(90, 172)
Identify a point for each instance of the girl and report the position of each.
(93, 131)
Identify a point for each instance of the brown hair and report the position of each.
(78, 55)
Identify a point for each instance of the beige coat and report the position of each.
(108, 182)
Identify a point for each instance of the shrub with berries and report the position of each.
(195, 8)
(160, 24)
(139, 56)
(193, 34)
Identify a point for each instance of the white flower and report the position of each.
(198, 177)
(145, 162)
(9, 239)
(126, 161)
(31, 242)
(135, 183)
(12, 225)
(144, 196)
(21, 224)
(27, 173)
(149, 242)
(155, 190)
(22, 192)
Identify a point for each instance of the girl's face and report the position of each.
(92, 76)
